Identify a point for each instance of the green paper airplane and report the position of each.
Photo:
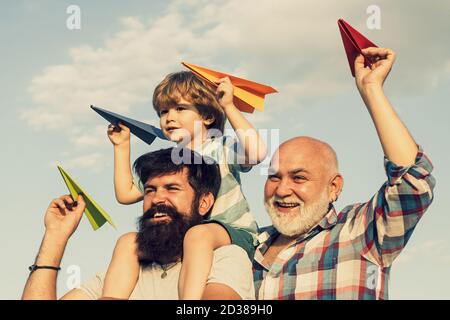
(95, 214)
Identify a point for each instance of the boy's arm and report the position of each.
(125, 190)
(123, 271)
(398, 144)
(255, 149)
(220, 291)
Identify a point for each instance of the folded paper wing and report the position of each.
(354, 42)
(143, 131)
(248, 95)
(95, 214)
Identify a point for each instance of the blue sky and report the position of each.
(50, 75)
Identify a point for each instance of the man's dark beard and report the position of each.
(162, 242)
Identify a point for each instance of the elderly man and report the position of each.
(313, 252)
(182, 196)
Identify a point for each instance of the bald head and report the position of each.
(303, 181)
(314, 151)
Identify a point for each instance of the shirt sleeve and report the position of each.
(383, 226)
(94, 287)
(235, 156)
(232, 267)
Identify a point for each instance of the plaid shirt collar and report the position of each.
(270, 234)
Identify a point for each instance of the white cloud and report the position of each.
(292, 45)
(124, 70)
(87, 161)
(91, 161)
(117, 76)
(95, 137)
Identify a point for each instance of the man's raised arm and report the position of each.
(385, 223)
(61, 221)
(398, 144)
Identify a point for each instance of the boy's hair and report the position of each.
(203, 173)
(188, 86)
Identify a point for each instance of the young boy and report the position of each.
(189, 110)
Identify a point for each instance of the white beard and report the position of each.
(301, 220)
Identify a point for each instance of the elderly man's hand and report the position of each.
(382, 60)
(63, 216)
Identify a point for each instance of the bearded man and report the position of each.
(314, 252)
(180, 196)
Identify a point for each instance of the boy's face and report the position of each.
(182, 122)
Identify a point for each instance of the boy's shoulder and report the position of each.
(127, 239)
(216, 146)
(222, 141)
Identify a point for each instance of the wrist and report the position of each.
(52, 249)
(229, 107)
(56, 238)
(371, 89)
(122, 146)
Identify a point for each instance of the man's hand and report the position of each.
(63, 216)
(118, 135)
(225, 92)
(382, 61)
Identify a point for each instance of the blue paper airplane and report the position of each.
(143, 131)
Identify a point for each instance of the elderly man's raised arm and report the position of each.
(385, 223)
(398, 144)
(60, 223)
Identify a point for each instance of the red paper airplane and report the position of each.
(354, 42)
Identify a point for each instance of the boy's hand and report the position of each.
(382, 61)
(63, 216)
(224, 92)
(118, 135)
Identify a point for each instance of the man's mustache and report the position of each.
(160, 208)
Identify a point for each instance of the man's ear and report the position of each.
(336, 185)
(205, 204)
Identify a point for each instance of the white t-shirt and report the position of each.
(231, 266)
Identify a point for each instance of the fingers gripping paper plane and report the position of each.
(354, 42)
(248, 95)
(143, 131)
(95, 214)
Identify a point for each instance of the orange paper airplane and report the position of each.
(248, 95)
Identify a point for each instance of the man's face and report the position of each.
(170, 209)
(296, 191)
(171, 190)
